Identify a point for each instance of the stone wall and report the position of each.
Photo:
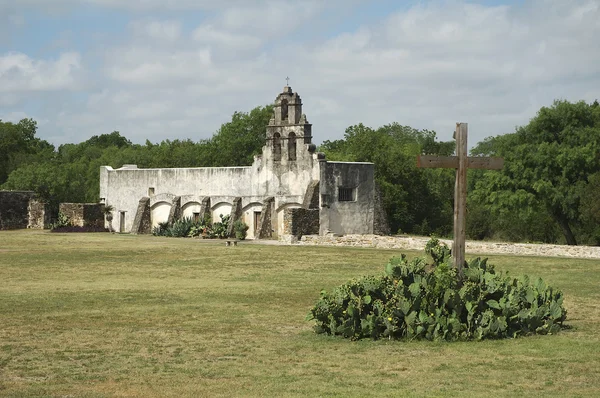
(472, 247)
(14, 209)
(84, 214)
(235, 215)
(265, 230)
(142, 223)
(40, 215)
(299, 222)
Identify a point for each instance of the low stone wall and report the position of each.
(84, 214)
(14, 209)
(472, 247)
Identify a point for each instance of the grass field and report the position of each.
(100, 315)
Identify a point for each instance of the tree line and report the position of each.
(548, 191)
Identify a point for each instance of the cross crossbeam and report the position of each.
(461, 162)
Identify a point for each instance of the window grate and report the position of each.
(345, 194)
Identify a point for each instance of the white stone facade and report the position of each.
(286, 168)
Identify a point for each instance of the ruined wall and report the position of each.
(299, 222)
(84, 214)
(14, 209)
(40, 215)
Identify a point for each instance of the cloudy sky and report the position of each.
(168, 69)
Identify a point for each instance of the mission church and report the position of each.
(290, 189)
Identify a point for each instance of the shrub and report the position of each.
(416, 300)
(219, 229)
(181, 228)
(162, 229)
(241, 229)
(187, 227)
(61, 222)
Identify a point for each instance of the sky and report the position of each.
(178, 69)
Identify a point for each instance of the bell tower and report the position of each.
(289, 135)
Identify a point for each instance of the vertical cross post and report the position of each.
(460, 199)
(461, 162)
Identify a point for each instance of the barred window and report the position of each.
(345, 194)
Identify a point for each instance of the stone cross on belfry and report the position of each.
(461, 162)
(287, 81)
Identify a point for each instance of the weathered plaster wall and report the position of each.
(343, 217)
(123, 187)
(248, 217)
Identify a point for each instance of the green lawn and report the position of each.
(100, 315)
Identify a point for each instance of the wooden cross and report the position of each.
(461, 162)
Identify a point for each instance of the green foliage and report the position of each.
(438, 251)
(182, 227)
(187, 227)
(548, 165)
(162, 229)
(219, 229)
(416, 300)
(241, 229)
(19, 146)
(62, 221)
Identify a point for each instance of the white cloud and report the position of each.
(157, 30)
(222, 39)
(20, 73)
(427, 66)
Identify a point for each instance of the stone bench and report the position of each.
(231, 242)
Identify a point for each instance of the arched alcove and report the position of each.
(292, 146)
(277, 146)
(284, 110)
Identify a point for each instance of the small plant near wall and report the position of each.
(64, 224)
(219, 229)
(108, 216)
(241, 229)
(187, 227)
(62, 221)
(420, 300)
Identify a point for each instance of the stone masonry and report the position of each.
(473, 247)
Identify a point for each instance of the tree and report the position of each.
(547, 165)
(19, 145)
(237, 141)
